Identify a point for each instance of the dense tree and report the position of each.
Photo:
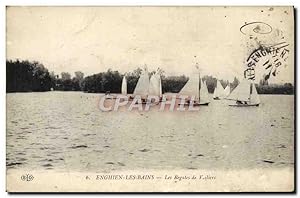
(77, 81)
(65, 76)
(173, 83)
(23, 76)
(286, 88)
(65, 82)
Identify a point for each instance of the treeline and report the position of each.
(286, 88)
(25, 76)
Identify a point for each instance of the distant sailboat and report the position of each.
(219, 91)
(192, 89)
(124, 86)
(142, 86)
(227, 91)
(204, 96)
(155, 88)
(254, 97)
(245, 94)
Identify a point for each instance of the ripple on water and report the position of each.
(78, 146)
(44, 148)
(52, 127)
(35, 156)
(48, 160)
(13, 164)
(144, 150)
(47, 165)
(21, 137)
(268, 161)
(121, 164)
(21, 159)
(89, 134)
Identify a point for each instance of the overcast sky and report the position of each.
(93, 39)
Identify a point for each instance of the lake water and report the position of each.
(67, 131)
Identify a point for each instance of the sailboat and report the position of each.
(191, 88)
(227, 91)
(245, 95)
(142, 86)
(155, 88)
(204, 97)
(219, 91)
(124, 86)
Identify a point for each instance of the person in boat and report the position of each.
(239, 102)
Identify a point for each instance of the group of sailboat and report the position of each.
(245, 94)
(195, 89)
(220, 92)
(145, 86)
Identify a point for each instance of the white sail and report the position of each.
(191, 88)
(241, 92)
(204, 97)
(160, 87)
(124, 86)
(142, 86)
(219, 91)
(254, 97)
(155, 88)
(227, 91)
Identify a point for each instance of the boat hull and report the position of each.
(195, 104)
(204, 104)
(111, 98)
(244, 105)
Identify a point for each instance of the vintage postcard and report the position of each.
(150, 99)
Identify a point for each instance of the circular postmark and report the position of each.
(256, 27)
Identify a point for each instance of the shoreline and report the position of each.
(293, 94)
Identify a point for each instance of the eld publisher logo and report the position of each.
(27, 177)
